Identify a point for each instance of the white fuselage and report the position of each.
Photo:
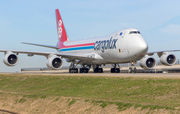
(120, 47)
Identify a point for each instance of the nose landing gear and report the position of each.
(132, 68)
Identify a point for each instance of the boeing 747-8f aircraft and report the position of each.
(125, 46)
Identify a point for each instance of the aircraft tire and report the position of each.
(73, 70)
(112, 70)
(81, 70)
(117, 70)
(130, 70)
(86, 70)
(76, 70)
(101, 70)
(96, 70)
(134, 70)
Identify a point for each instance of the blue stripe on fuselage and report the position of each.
(77, 48)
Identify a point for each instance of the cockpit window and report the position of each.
(134, 32)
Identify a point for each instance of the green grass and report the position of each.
(103, 104)
(86, 100)
(56, 99)
(124, 106)
(43, 96)
(72, 102)
(32, 96)
(22, 100)
(144, 92)
(68, 100)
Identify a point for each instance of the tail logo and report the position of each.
(60, 28)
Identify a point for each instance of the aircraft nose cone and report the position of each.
(138, 46)
(143, 46)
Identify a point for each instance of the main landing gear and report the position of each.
(85, 69)
(97, 69)
(72, 68)
(132, 68)
(114, 69)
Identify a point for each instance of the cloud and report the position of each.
(171, 29)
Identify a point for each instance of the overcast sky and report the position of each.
(34, 21)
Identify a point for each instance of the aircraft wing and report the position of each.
(79, 56)
(152, 53)
(54, 47)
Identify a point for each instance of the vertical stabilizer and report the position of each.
(60, 28)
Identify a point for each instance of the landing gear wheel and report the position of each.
(98, 70)
(81, 70)
(84, 70)
(73, 70)
(130, 70)
(115, 70)
(72, 67)
(134, 70)
(112, 70)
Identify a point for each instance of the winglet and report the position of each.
(60, 28)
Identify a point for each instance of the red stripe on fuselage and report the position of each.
(61, 45)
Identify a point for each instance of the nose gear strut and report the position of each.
(132, 68)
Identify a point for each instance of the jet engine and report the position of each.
(54, 62)
(10, 59)
(167, 59)
(147, 62)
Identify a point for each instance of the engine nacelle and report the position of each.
(10, 59)
(54, 62)
(167, 59)
(147, 62)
